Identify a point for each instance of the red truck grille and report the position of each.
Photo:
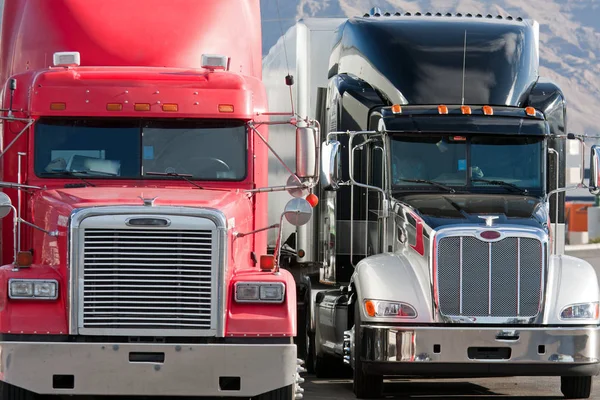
(141, 279)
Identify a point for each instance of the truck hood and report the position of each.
(52, 206)
(438, 210)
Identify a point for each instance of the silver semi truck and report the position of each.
(437, 246)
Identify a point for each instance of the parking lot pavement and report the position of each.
(519, 387)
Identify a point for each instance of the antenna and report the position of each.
(289, 79)
(464, 69)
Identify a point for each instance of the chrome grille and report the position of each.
(489, 279)
(148, 279)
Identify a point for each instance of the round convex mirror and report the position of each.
(298, 211)
(5, 205)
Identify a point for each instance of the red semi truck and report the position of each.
(134, 171)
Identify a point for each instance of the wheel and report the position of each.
(305, 339)
(10, 392)
(366, 386)
(325, 367)
(576, 387)
(284, 393)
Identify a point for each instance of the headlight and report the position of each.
(580, 311)
(36, 289)
(380, 308)
(259, 292)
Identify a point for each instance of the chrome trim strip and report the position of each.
(518, 276)
(75, 262)
(460, 277)
(489, 279)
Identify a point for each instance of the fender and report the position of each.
(570, 281)
(391, 277)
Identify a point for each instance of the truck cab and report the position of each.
(440, 229)
(134, 166)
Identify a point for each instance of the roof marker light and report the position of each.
(442, 109)
(170, 107)
(226, 108)
(114, 107)
(58, 106)
(66, 59)
(530, 111)
(215, 61)
(142, 107)
(24, 259)
(465, 109)
(487, 110)
(396, 109)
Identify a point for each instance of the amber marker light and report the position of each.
(267, 262)
(370, 308)
(465, 110)
(530, 111)
(170, 107)
(487, 110)
(396, 109)
(226, 108)
(442, 109)
(114, 107)
(312, 199)
(58, 106)
(142, 107)
(24, 259)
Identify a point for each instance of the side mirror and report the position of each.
(298, 211)
(595, 170)
(330, 165)
(306, 152)
(5, 205)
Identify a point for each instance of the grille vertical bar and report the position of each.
(489, 279)
(148, 279)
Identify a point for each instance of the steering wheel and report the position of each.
(190, 161)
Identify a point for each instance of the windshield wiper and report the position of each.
(434, 183)
(73, 174)
(502, 183)
(185, 177)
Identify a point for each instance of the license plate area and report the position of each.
(489, 353)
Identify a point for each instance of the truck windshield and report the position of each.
(478, 163)
(128, 149)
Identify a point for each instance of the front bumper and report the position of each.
(479, 351)
(187, 369)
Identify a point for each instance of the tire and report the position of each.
(310, 356)
(305, 339)
(284, 393)
(325, 367)
(366, 386)
(10, 392)
(576, 387)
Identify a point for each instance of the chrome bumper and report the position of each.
(479, 351)
(187, 369)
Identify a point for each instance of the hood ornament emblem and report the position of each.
(148, 202)
(489, 219)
